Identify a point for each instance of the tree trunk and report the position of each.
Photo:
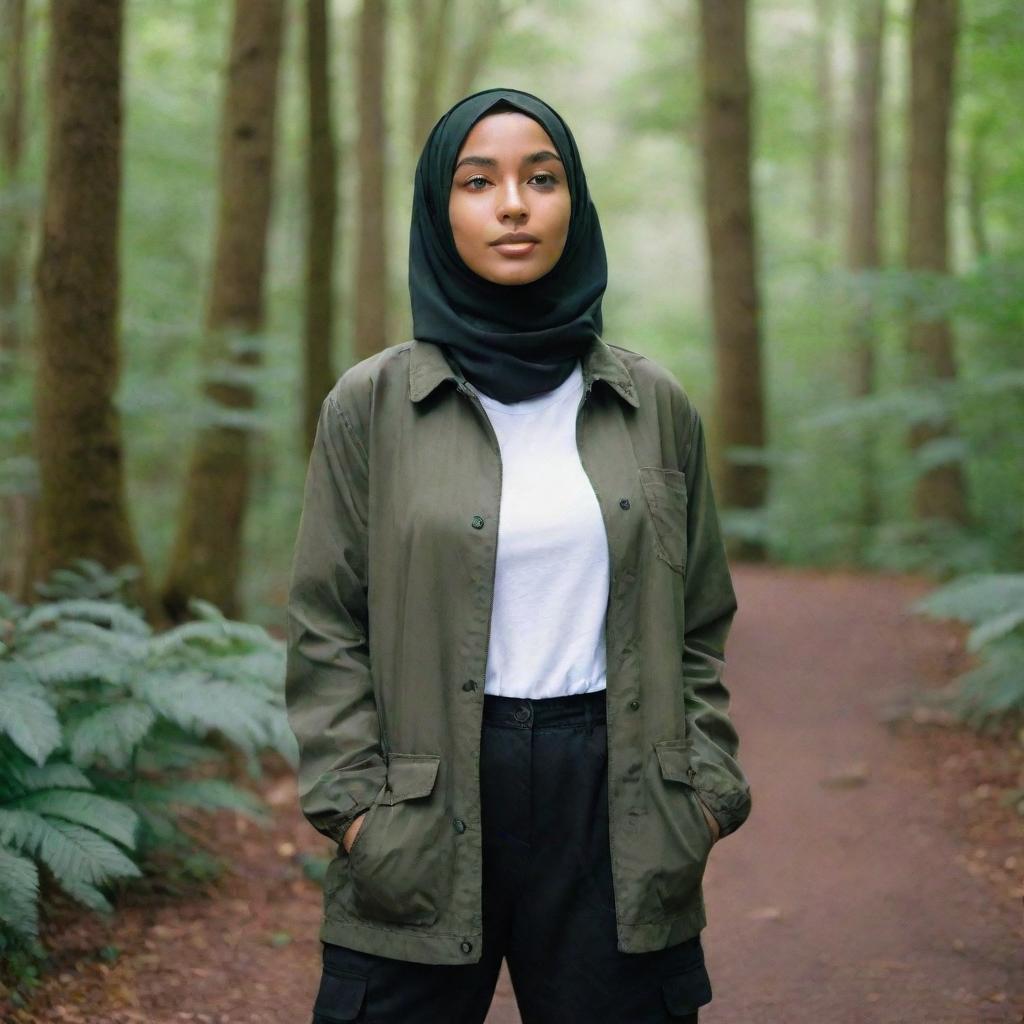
(371, 328)
(17, 508)
(726, 136)
(821, 184)
(322, 210)
(82, 508)
(206, 556)
(862, 254)
(489, 15)
(12, 225)
(431, 22)
(940, 492)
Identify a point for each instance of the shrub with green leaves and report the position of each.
(993, 604)
(108, 731)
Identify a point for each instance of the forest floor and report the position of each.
(878, 878)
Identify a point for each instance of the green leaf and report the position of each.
(19, 893)
(112, 733)
(110, 817)
(26, 714)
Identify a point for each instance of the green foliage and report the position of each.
(108, 733)
(993, 605)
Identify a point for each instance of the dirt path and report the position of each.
(876, 880)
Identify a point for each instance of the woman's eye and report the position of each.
(550, 180)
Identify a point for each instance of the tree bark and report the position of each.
(940, 492)
(821, 168)
(488, 19)
(82, 509)
(431, 22)
(12, 224)
(862, 244)
(372, 293)
(17, 508)
(322, 212)
(726, 152)
(206, 556)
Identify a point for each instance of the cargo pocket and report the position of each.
(665, 492)
(340, 997)
(687, 991)
(400, 865)
(685, 838)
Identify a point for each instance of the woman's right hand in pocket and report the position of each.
(352, 831)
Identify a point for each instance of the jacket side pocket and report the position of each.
(401, 863)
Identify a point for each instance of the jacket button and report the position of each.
(466, 947)
(469, 684)
(477, 522)
(460, 825)
(623, 502)
(634, 704)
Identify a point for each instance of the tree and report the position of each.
(821, 164)
(206, 555)
(431, 23)
(82, 509)
(321, 218)
(371, 299)
(940, 490)
(862, 238)
(729, 218)
(12, 225)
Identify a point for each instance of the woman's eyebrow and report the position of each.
(531, 158)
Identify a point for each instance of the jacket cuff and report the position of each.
(339, 796)
(719, 782)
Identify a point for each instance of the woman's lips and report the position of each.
(515, 249)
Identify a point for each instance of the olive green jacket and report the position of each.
(388, 621)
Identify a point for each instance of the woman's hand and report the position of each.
(712, 821)
(352, 831)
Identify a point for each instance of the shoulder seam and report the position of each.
(347, 423)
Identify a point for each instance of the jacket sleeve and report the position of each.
(328, 685)
(710, 604)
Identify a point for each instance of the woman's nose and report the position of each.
(511, 201)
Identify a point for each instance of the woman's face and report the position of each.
(509, 179)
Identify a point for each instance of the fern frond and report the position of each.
(116, 616)
(206, 794)
(112, 733)
(54, 775)
(101, 814)
(71, 851)
(19, 893)
(87, 894)
(130, 646)
(975, 597)
(76, 663)
(199, 704)
(26, 714)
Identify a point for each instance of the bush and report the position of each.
(104, 727)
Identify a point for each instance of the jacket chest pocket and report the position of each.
(400, 864)
(665, 492)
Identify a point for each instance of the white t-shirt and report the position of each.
(551, 585)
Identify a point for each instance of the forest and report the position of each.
(814, 218)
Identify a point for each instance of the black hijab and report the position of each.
(510, 341)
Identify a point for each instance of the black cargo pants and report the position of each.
(548, 903)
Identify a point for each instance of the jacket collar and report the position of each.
(428, 368)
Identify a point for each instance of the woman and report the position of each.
(507, 617)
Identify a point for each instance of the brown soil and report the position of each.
(878, 879)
